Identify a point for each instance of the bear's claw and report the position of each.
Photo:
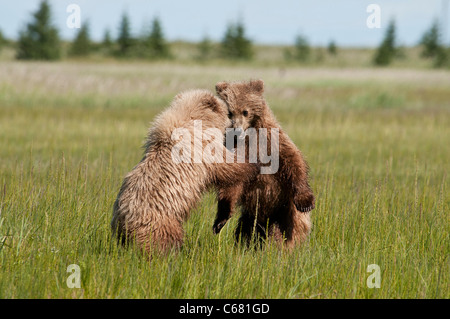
(218, 225)
(305, 204)
(304, 209)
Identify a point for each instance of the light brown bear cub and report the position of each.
(280, 202)
(157, 195)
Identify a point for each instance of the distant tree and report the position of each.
(243, 44)
(155, 44)
(319, 55)
(124, 40)
(430, 41)
(302, 49)
(40, 39)
(82, 44)
(228, 49)
(400, 52)
(2, 40)
(387, 50)
(442, 57)
(107, 40)
(235, 44)
(205, 49)
(332, 49)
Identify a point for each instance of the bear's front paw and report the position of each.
(304, 202)
(218, 225)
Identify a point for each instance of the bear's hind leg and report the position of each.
(291, 229)
(301, 228)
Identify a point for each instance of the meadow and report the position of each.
(377, 142)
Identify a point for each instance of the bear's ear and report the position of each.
(211, 102)
(257, 86)
(221, 86)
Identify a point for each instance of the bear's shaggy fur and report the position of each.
(280, 202)
(158, 194)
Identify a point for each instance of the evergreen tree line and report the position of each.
(431, 44)
(39, 39)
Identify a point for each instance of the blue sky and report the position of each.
(268, 22)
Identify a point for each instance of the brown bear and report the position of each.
(158, 194)
(273, 205)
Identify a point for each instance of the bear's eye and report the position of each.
(230, 115)
(245, 113)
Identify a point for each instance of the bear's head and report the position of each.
(245, 101)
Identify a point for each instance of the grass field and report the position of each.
(377, 141)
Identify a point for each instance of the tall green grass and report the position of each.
(376, 141)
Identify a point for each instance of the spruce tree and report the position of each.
(332, 48)
(235, 44)
(124, 39)
(40, 39)
(228, 46)
(204, 48)
(243, 44)
(2, 40)
(107, 40)
(302, 49)
(387, 50)
(82, 45)
(442, 57)
(155, 45)
(430, 41)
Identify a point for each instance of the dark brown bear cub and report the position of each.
(273, 205)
